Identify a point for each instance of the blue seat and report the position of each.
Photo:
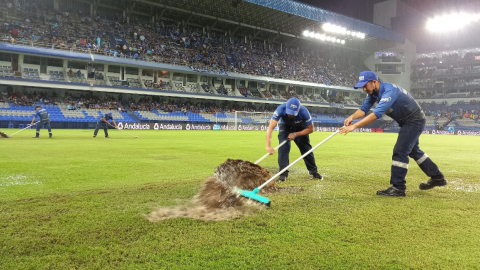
(10, 125)
(21, 126)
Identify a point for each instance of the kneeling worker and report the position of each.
(294, 124)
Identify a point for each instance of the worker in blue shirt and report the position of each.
(401, 107)
(103, 123)
(42, 114)
(294, 124)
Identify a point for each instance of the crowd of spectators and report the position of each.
(160, 85)
(245, 92)
(206, 88)
(168, 42)
(449, 112)
(222, 90)
(387, 57)
(162, 105)
(444, 58)
(27, 99)
(81, 101)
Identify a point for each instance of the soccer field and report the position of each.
(75, 202)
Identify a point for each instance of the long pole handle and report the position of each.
(125, 131)
(298, 159)
(268, 154)
(25, 128)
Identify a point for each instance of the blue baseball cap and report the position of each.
(293, 106)
(364, 77)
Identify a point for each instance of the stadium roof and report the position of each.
(277, 20)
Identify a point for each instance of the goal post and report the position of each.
(252, 118)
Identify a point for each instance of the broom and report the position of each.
(254, 193)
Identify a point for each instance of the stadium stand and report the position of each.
(168, 43)
(447, 75)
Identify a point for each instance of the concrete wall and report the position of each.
(383, 12)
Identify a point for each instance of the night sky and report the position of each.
(363, 9)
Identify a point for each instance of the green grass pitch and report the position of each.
(74, 202)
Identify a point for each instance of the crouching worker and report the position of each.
(294, 123)
(103, 123)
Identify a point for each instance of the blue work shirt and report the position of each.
(105, 116)
(42, 115)
(298, 123)
(395, 102)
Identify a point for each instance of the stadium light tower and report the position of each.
(451, 22)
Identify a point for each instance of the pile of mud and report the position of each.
(216, 199)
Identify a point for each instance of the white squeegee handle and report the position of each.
(298, 159)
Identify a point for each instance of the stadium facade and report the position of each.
(228, 54)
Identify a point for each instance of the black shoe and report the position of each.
(392, 191)
(107, 137)
(282, 178)
(436, 181)
(316, 176)
(94, 136)
(50, 136)
(35, 137)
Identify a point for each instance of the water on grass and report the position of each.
(216, 199)
(16, 180)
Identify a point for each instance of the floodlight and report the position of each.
(306, 33)
(451, 22)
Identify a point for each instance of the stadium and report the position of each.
(186, 91)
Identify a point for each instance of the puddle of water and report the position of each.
(17, 180)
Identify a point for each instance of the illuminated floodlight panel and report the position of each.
(451, 22)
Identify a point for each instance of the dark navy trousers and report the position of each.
(103, 126)
(47, 126)
(303, 144)
(407, 146)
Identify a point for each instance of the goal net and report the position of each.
(252, 118)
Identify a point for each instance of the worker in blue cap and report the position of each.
(401, 107)
(294, 124)
(103, 123)
(42, 114)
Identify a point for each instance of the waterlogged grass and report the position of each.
(78, 202)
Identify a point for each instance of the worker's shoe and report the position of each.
(282, 178)
(94, 136)
(316, 176)
(435, 181)
(36, 137)
(50, 136)
(392, 192)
